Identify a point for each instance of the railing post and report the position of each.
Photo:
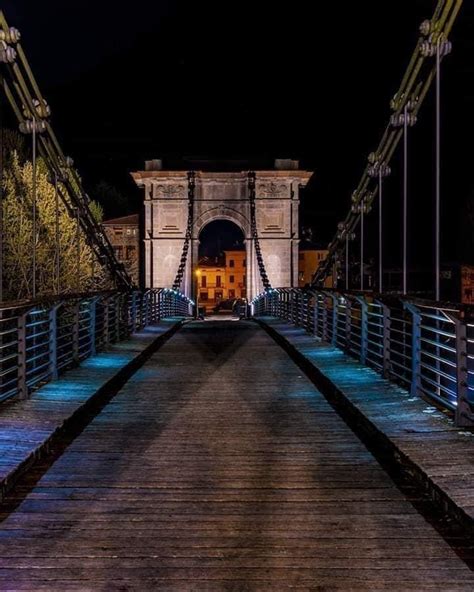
(133, 313)
(22, 386)
(305, 313)
(387, 365)
(335, 317)
(415, 348)
(106, 304)
(118, 314)
(348, 326)
(75, 332)
(464, 415)
(53, 341)
(146, 308)
(159, 304)
(364, 329)
(92, 325)
(316, 313)
(325, 332)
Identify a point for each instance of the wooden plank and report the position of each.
(423, 438)
(211, 470)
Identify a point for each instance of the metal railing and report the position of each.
(426, 347)
(39, 341)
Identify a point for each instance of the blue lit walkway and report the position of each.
(424, 438)
(26, 427)
(217, 467)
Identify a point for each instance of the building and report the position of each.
(309, 259)
(211, 281)
(467, 284)
(457, 283)
(236, 274)
(124, 236)
(221, 196)
(221, 278)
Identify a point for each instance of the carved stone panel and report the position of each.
(170, 219)
(272, 190)
(170, 191)
(272, 220)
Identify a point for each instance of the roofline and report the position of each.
(141, 176)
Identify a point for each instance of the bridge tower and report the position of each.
(221, 196)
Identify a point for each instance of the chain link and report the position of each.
(253, 221)
(189, 232)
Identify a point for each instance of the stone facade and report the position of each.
(221, 196)
(123, 234)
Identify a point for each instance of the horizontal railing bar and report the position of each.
(437, 386)
(438, 359)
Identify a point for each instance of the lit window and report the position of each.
(203, 281)
(231, 263)
(232, 279)
(218, 281)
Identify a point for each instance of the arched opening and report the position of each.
(222, 266)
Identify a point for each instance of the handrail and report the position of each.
(426, 347)
(41, 339)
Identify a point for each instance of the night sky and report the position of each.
(252, 81)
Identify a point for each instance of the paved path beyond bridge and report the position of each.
(217, 467)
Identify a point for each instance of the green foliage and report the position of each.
(97, 211)
(76, 259)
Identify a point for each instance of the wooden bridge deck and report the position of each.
(219, 467)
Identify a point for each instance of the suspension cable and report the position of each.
(405, 106)
(253, 222)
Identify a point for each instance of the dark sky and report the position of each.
(251, 80)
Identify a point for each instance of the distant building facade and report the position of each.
(309, 259)
(236, 274)
(222, 278)
(467, 284)
(123, 234)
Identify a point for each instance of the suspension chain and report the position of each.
(253, 221)
(189, 232)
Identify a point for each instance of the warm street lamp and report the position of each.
(198, 275)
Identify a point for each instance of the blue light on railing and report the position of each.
(413, 343)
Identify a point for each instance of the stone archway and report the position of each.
(221, 196)
(223, 212)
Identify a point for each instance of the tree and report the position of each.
(77, 269)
